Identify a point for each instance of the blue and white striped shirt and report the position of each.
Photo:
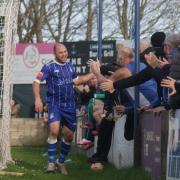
(59, 83)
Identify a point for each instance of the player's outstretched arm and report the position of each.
(83, 79)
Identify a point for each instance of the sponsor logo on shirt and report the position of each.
(56, 71)
(65, 81)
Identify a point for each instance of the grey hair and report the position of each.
(173, 40)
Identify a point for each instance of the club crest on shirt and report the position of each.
(51, 115)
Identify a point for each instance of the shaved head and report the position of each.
(58, 45)
(60, 52)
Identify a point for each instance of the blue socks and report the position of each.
(52, 148)
(65, 148)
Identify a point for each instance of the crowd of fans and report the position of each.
(159, 86)
(107, 91)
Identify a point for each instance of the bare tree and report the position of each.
(25, 31)
(160, 15)
(148, 9)
(69, 20)
(90, 15)
(38, 19)
(63, 19)
(31, 20)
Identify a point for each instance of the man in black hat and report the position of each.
(157, 41)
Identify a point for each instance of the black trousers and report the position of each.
(105, 130)
(174, 101)
(129, 126)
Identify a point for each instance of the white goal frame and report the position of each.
(8, 28)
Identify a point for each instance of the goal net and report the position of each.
(8, 22)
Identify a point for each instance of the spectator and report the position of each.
(172, 49)
(86, 97)
(121, 102)
(15, 108)
(146, 74)
(148, 88)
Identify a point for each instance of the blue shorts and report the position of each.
(66, 117)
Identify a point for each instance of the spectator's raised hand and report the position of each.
(94, 66)
(162, 63)
(151, 59)
(170, 83)
(107, 86)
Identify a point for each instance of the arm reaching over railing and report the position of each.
(170, 83)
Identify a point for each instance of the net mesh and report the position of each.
(8, 22)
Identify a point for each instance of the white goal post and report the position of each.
(8, 23)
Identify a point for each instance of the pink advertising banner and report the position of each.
(29, 60)
(31, 57)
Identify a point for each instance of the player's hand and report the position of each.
(86, 88)
(38, 105)
(170, 83)
(107, 86)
